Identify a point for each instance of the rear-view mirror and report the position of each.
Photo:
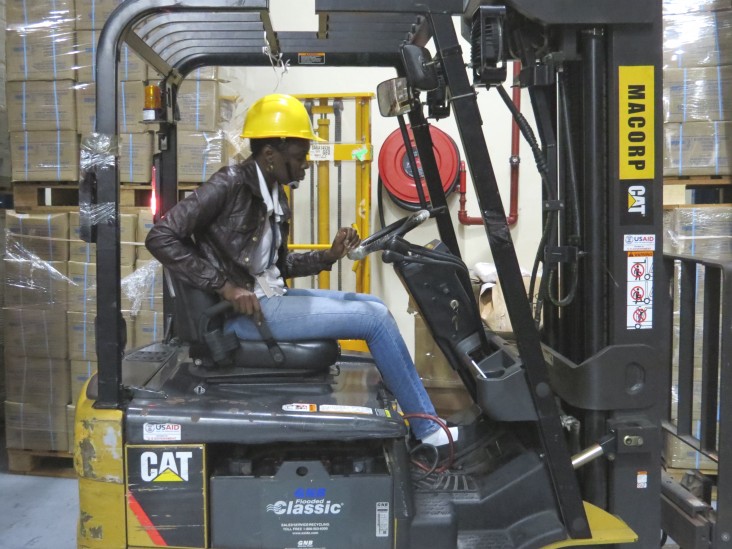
(394, 97)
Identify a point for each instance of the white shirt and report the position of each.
(269, 281)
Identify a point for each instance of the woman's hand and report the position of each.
(345, 240)
(244, 301)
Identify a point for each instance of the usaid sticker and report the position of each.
(161, 431)
(639, 242)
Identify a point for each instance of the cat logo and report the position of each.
(170, 467)
(637, 199)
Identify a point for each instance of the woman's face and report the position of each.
(290, 161)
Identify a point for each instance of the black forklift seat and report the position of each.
(199, 320)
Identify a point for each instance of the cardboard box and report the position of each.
(679, 455)
(27, 13)
(41, 105)
(204, 73)
(37, 380)
(135, 157)
(82, 341)
(130, 67)
(35, 283)
(144, 224)
(132, 102)
(704, 230)
(198, 105)
(129, 116)
(671, 7)
(36, 426)
(41, 54)
(83, 287)
(45, 156)
(696, 148)
(37, 332)
(149, 327)
(697, 94)
(42, 235)
(699, 39)
(86, 107)
(84, 252)
(200, 155)
(147, 285)
(92, 14)
(81, 371)
(82, 336)
(443, 385)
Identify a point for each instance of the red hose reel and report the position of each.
(395, 172)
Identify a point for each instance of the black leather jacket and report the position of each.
(210, 236)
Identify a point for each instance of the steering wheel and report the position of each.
(378, 240)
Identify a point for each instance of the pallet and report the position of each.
(54, 197)
(46, 463)
(693, 180)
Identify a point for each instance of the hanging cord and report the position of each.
(277, 63)
(549, 228)
(435, 466)
(380, 202)
(572, 203)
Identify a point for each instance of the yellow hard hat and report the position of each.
(278, 115)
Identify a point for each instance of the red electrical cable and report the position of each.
(451, 444)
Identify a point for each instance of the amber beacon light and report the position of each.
(153, 103)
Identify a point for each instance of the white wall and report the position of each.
(250, 84)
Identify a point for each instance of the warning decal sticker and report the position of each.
(640, 290)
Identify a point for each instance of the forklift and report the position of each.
(197, 441)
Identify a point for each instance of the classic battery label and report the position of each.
(636, 130)
(382, 519)
(640, 290)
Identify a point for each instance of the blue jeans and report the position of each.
(310, 314)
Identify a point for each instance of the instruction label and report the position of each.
(321, 152)
(640, 290)
(311, 58)
(340, 409)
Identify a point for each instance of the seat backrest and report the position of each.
(189, 304)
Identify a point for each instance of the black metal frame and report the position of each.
(614, 34)
(360, 47)
(714, 439)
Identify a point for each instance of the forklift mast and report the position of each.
(593, 71)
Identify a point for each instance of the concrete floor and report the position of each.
(38, 512)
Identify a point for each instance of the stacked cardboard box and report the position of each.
(40, 60)
(201, 141)
(4, 135)
(697, 77)
(36, 355)
(50, 308)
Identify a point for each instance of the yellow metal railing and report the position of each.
(324, 155)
